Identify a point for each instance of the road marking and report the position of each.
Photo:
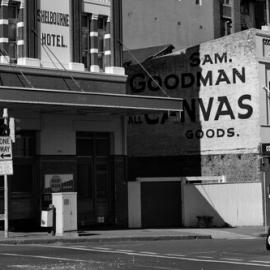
(102, 248)
(148, 253)
(124, 250)
(180, 255)
(205, 257)
(232, 259)
(162, 256)
(260, 261)
(41, 257)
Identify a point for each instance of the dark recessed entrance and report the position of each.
(94, 180)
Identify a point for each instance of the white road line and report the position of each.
(42, 257)
(248, 263)
(259, 261)
(102, 248)
(147, 253)
(205, 257)
(232, 259)
(124, 250)
(180, 255)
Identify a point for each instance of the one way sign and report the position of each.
(5, 148)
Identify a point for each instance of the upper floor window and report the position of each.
(227, 2)
(198, 2)
(101, 33)
(87, 45)
(13, 13)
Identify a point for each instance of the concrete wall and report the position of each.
(235, 204)
(58, 132)
(181, 23)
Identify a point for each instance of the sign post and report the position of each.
(6, 165)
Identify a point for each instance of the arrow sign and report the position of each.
(5, 148)
(5, 155)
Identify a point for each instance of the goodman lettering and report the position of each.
(140, 82)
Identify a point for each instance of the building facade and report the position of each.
(187, 23)
(62, 80)
(224, 123)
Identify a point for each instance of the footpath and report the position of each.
(135, 235)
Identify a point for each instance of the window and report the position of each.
(24, 151)
(101, 33)
(13, 10)
(86, 42)
(198, 2)
(25, 145)
(227, 2)
(13, 13)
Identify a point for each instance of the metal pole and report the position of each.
(6, 205)
(267, 12)
(264, 202)
(5, 116)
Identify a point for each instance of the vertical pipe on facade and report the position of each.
(116, 33)
(20, 31)
(4, 58)
(94, 67)
(107, 44)
(76, 13)
(267, 12)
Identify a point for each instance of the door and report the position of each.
(94, 180)
(161, 204)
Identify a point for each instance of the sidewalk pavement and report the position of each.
(135, 235)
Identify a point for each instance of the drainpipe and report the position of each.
(267, 12)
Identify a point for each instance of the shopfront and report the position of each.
(71, 105)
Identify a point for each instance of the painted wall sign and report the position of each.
(54, 23)
(218, 81)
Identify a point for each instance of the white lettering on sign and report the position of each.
(5, 148)
(267, 148)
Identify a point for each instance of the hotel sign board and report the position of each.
(54, 23)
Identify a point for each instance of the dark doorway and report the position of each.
(94, 180)
(161, 204)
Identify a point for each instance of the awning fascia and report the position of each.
(37, 96)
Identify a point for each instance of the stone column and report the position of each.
(4, 58)
(107, 44)
(94, 67)
(20, 32)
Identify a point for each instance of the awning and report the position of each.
(120, 103)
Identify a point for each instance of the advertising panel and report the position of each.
(57, 183)
(218, 81)
(54, 23)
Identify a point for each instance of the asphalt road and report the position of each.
(163, 255)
